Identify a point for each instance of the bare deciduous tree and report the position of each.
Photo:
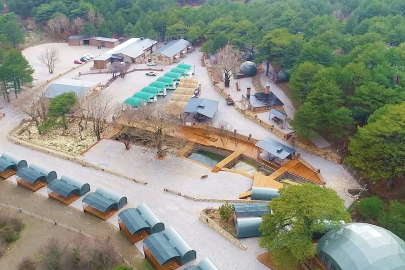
(77, 25)
(228, 59)
(97, 108)
(160, 127)
(60, 26)
(119, 67)
(224, 129)
(49, 57)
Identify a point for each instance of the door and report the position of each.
(86, 42)
(102, 44)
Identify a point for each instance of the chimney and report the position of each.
(248, 93)
(267, 90)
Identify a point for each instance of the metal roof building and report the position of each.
(167, 250)
(79, 87)
(173, 47)
(275, 148)
(9, 165)
(248, 227)
(202, 106)
(133, 47)
(102, 203)
(34, 177)
(361, 246)
(67, 189)
(204, 264)
(250, 210)
(264, 194)
(138, 223)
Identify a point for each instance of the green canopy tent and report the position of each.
(134, 102)
(173, 75)
(169, 81)
(184, 66)
(180, 71)
(154, 90)
(160, 85)
(145, 96)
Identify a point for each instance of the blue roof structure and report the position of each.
(103, 200)
(275, 148)
(168, 246)
(206, 107)
(141, 218)
(277, 113)
(67, 185)
(204, 264)
(250, 210)
(35, 173)
(264, 194)
(248, 227)
(173, 47)
(11, 162)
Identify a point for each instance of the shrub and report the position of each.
(51, 255)
(226, 211)
(27, 264)
(123, 267)
(371, 208)
(8, 234)
(2, 247)
(394, 219)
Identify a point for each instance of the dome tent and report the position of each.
(361, 246)
(248, 68)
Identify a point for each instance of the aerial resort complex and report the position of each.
(202, 135)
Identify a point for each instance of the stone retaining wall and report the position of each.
(213, 225)
(211, 200)
(12, 138)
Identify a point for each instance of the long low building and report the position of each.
(93, 41)
(172, 52)
(133, 51)
(80, 87)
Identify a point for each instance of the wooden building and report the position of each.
(10, 164)
(93, 41)
(138, 223)
(167, 250)
(172, 52)
(67, 189)
(103, 204)
(34, 177)
(133, 51)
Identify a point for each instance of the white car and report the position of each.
(151, 73)
(151, 63)
(89, 56)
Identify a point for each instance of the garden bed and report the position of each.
(59, 139)
(228, 226)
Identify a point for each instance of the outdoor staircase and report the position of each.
(245, 195)
(225, 161)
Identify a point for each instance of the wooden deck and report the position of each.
(97, 213)
(260, 180)
(246, 195)
(60, 198)
(182, 152)
(226, 160)
(133, 238)
(7, 174)
(152, 260)
(33, 187)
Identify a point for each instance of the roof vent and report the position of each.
(279, 149)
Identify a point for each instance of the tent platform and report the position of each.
(99, 214)
(33, 187)
(133, 238)
(62, 199)
(6, 174)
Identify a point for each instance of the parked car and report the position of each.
(89, 56)
(77, 62)
(83, 60)
(151, 63)
(151, 73)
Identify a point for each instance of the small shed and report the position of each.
(250, 210)
(276, 151)
(158, 91)
(278, 117)
(34, 177)
(248, 227)
(80, 87)
(67, 189)
(103, 203)
(204, 264)
(264, 194)
(138, 223)
(134, 102)
(171, 82)
(9, 165)
(201, 110)
(167, 250)
(148, 97)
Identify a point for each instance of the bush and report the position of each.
(123, 267)
(27, 264)
(394, 219)
(371, 208)
(226, 211)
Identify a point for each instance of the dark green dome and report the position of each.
(248, 68)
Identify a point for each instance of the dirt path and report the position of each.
(38, 231)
